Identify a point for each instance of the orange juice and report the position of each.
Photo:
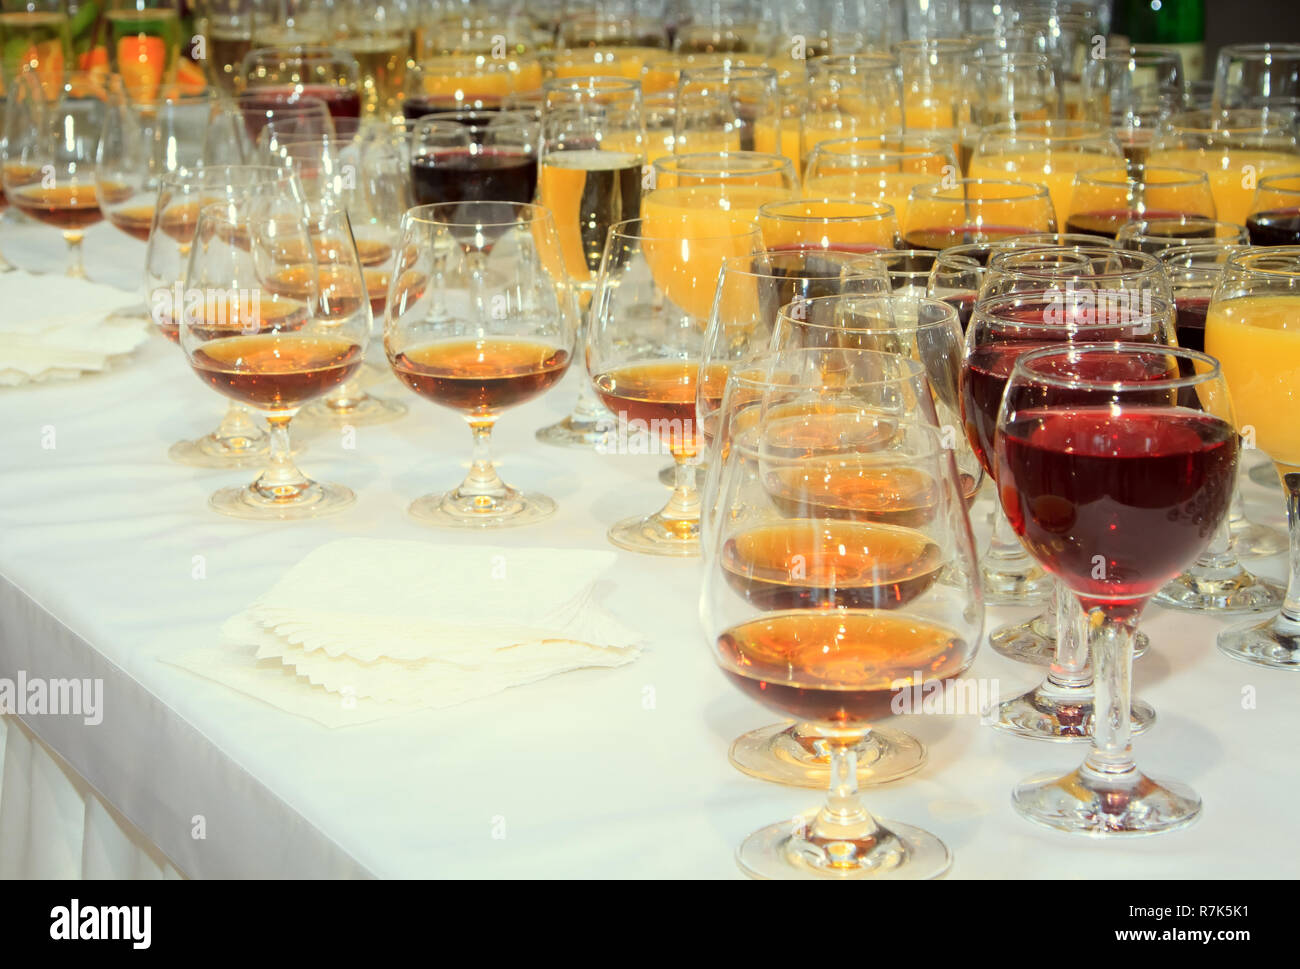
(1257, 342)
(783, 139)
(1054, 169)
(829, 224)
(691, 230)
(893, 188)
(1233, 173)
(625, 62)
(587, 191)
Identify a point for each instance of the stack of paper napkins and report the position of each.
(363, 629)
(57, 327)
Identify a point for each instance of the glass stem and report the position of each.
(1111, 630)
(237, 427)
(281, 480)
(1004, 545)
(684, 503)
(1070, 668)
(1291, 604)
(76, 265)
(482, 480)
(843, 818)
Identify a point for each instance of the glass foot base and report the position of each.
(1056, 715)
(315, 501)
(1034, 642)
(1264, 474)
(366, 411)
(211, 451)
(1274, 644)
(1241, 592)
(1083, 802)
(784, 755)
(657, 535)
(1017, 587)
(572, 432)
(897, 852)
(454, 510)
(1252, 540)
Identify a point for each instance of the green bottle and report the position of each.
(1179, 24)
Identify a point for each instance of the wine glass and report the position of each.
(144, 43)
(829, 223)
(644, 347)
(1260, 76)
(53, 126)
(1236, 148)
(879, 169)
(36, 37)
(826, 617)
(1106, 199)
(276, 325)
(256, 109)
(1274, 218)
(454, 162)
(378, 34)
(1135, 89)
(1250, 327)
(1115, 465)
(751, 292)
(975, 210)
(722, 108)
(141, 141)
(938, 83)
(277, 76)
(1047, 153)
(1154, 236)
(459, 81)
(238, 442)
(851, 95)
(1014, 87)
(590, 177)
(481, 317)
(228, 36)
(956, 276)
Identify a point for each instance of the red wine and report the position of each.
(1108, 222)
(1117, 506)
(938, 238)
(1190, 322)
(476, 111)
(339, 101)
(987, 368)
(964, 304)
(461, 175)
(1277, 228)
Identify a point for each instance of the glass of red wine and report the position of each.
(309, 114)
(1115, 466)
(489, 159)
(952, 213)
(1153, 236)
(1274, 218)
(1087, 278)
(275, 76)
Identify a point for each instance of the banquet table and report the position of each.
(611, 773)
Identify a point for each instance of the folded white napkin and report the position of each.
(56, 327)
(363, 629)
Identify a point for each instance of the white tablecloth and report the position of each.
(619, 773)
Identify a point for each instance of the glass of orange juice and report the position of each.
(1235, 148)
(841, 224)
(1105, 199)
(967, 210)
(880, 169)
(1048, 153)
(1253, 327)
(721, 108)
(851, 95)
(590, 175)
